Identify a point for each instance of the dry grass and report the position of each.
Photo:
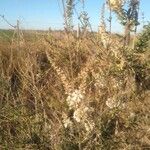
(37, 78)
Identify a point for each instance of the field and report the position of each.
(74, 93)
(76, 89)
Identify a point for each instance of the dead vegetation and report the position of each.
(75, 93)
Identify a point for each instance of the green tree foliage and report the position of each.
(140, 60)
(127, 13)
(143, 42)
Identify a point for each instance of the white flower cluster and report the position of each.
(99, 81)
(74, 99)
(116, 84)
(89, 125)
(81, 111)
(111, 103)
(116, 4)
(81, 115)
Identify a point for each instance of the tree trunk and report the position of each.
(127, 34)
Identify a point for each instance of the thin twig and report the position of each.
(2, 16)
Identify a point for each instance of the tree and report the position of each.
(68, 13)
(68, 6)
(128, 15)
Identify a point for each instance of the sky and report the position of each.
(42, 14)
